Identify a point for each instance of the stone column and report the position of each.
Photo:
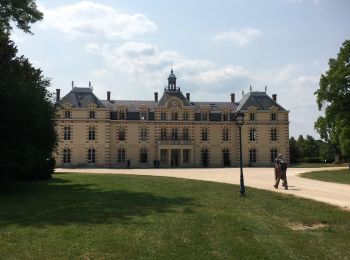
(169, 157)
(181, 158)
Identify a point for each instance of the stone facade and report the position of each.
(170, 132)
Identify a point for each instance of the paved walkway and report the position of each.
(261, 178)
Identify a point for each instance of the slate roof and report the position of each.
(130, 104)
(260, 100)
(81, 97)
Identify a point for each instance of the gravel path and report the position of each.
(261, 178)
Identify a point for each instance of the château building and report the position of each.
(172, 131)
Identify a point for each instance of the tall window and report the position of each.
(252, 134)
(252, 155)
(66, 155)
(122, 133)
(225, 134)
(185, 116)
(66, 133)
(204, 115)
(92, 114)
(273, 154)
(91, 155)
(252, 116)
(174, 116)
(185, 134)
(186, 155)
(273, 134)
(121, 155)
(143, 133)
(143, 155)
(163, 115)
(92, 133)
(205, 157)
(174, 133)
(163, 133)
(273, 116)
(204, 133)
(67, 113)
(226, 157)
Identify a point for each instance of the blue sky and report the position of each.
(217, 48)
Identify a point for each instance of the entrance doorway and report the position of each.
(174, 158)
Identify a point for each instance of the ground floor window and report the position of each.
(91, 155)
(186, 155)
(143, 155)
(252, 156)
(121, 155)
(66, 155)
(226, 157)
(205, 157)
(273, 154)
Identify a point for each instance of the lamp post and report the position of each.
(239, 122)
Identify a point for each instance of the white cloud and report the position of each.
(241, 37)
(91, 19)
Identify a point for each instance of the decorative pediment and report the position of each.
(273, 108)
(174, 103)
(252, 108)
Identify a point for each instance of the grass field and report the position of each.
(140, 217)
(316, 165)
(338, 176)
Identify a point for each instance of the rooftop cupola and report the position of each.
(172, 81)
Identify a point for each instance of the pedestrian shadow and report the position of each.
(62, 202)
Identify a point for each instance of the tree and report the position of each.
(294, 150)
(28, 132)
(334, 97)
(28, 115)
(21, 12)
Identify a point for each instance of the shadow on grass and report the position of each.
(62, 202)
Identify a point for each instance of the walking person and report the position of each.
(281, 172)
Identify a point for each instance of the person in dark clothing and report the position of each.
(281, 172)
(129, 163)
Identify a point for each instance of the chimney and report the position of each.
(156, 96)
(108, 95)
(58, 95)
(233, 97)
(188, 96)
(274, 97)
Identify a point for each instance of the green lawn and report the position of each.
(339, 176)
(316, 165)
(140, 217)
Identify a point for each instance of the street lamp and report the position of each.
(239, 121)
